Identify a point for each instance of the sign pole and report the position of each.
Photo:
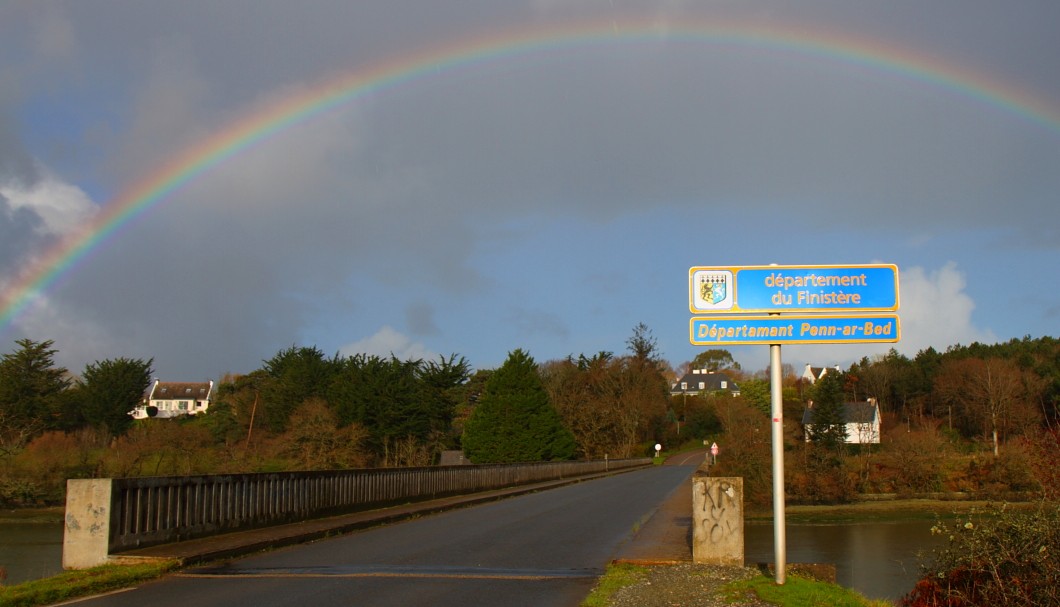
(776, 377)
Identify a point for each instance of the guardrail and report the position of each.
(147, 511)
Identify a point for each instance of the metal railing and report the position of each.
(148, 511)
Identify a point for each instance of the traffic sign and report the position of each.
(794, 329)
(826, 288)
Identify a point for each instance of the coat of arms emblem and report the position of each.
(712, 288)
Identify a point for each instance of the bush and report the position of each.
(995, 558)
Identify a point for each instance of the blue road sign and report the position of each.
(794, 329)
(742, 289)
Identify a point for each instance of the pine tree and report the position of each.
(31, 389)
(828, 429)
(514, 420)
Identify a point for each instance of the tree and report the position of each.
(646, 386)
(294, 375)
(315, 441)
(758, 393)
(714, 359)
(110, 389)
(828, 429)
(30, 388)
(591, 395)
(407, 407)
(643, 345)
(988, 396)
(514, 420)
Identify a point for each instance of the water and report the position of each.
(30, 551)
(877, 558)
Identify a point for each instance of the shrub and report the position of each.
(996, 558)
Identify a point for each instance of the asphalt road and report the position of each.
(543, 548)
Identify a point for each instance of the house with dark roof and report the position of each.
(701, 381)
(862, 421)
(173, 399)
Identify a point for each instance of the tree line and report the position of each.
(303, 409)
(981, 420)
(966, 418)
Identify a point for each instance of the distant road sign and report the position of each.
(794, 329)
(742, 289)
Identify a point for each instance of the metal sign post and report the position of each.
(776, 379)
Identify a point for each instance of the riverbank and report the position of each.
(52, 514)
(875, 509)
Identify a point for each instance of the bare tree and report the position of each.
(989, 395)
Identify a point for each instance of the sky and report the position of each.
(207, 183)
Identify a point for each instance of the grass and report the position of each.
(73, 584)
(799, 592)
(796, 592)
(616, 577)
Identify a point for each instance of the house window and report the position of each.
(724, 384)
(182, 405)
(702, 385)
(684, 385)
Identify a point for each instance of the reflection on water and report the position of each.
(30, 551)
(877, 558)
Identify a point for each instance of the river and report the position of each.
(876, 558)
(30, 550)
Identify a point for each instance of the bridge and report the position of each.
(116, 520)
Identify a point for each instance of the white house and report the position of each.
(172, 399)
(812, 374)
(862, 421)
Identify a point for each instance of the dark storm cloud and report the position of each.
(19, 235)
(16, 165)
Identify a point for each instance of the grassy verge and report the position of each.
(616, 577)
(799, 592)
(73, 584)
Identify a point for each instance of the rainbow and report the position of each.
(270, 120)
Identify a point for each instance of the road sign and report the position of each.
(794, 329)
(714, 449)
(759, 289)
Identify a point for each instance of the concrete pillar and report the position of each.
(86, 534)
(717, 520)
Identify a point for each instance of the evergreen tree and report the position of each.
(31, 388)
(111, 389)
(828, 429)
(514, 420)
(294, 375)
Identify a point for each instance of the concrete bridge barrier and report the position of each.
(717, 520)
(106, 516)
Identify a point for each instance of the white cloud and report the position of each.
(935, 311)
(387, 341)
(61, 206)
